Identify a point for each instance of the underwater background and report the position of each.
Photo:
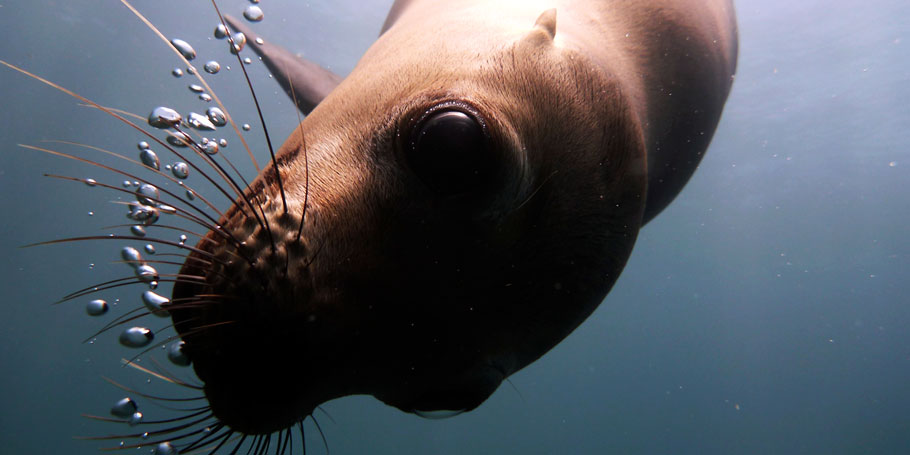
(767, 310)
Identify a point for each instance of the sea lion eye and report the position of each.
(448, 152)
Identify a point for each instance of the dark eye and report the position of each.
(448, 152)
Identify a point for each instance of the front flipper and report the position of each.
(305, 82)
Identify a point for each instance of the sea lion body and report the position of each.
(471, 192)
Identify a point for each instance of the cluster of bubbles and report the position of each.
(147, 208)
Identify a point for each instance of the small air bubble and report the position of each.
(146, 273)
(176, 354)
(184, 48)
(221, 32)
(124, 408)
(91, 213)
(205, 97)
(182, 238)
(138, 231)
(165, 448)
(149, 248)
(135, 419)
(253, 13)
(164, 117)
(210, 148)
(246, 127)
(239, 41)
(179, 139)
(96, 307)
(127, 184)
(217, 116)
(222, 142)
(142, 145)
(200, 122)
(148, 194)
(131, 256)
(154, 303)
(180, 170)
(150, 159)
(247, 60)
(136, 337)
(196, 88)
(177, 72)
(212, 67)
(190, 195)
(259, 41)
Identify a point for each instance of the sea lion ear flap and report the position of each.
(546, 23)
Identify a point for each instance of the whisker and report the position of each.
(159, 376)
(209, 432)
(150, 433)
(153, 397)
(265, 130)
(198, 76)
(156, 171)
(321, 434)
(118, 117)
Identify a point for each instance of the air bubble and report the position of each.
(177, 72)
(217, 116)
(146, 273)
(135, 419)
(143, 213)
(247, 60)
(124, 408)
(153, 302)
(221, 32)
(210, 147)
(167, 209)
(90, 182)
(96, 307)
(135, 337)
(258, 41)
(131, 256)
(200, 122)
(222, 143)
(190, 195)
(150, 159)
(165, 448)
(205, 97)
(179, 139)
(148, 194)
(142, 145)
(212, 67)
(253, 13)
(196, 88)
(246, 127)
(149, 248)
(184, 48)
(164, 117)
(239, 41)
(181, 170)
(138, 231)
(182, 238)
(176, 354)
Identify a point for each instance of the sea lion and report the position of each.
(454, 207)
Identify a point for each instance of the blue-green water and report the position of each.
(766, 311)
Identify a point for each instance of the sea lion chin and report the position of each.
(456, 206)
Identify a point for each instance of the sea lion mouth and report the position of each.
(244, 319)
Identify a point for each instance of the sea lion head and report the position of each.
(466, 205)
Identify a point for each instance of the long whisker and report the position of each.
(198, 76)
(265, 130)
